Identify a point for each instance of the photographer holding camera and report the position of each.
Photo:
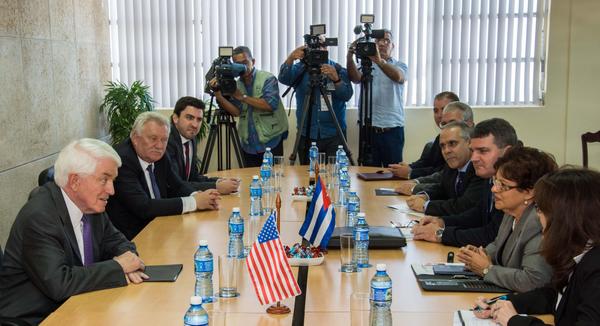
(321, 127)
(256, 101)
(388, 80)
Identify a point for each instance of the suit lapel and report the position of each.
(63, 214)
(176, 141)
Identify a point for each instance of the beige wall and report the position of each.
(54, 57)
(58, 51)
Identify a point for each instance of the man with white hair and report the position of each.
(147, 185)
(62, 242)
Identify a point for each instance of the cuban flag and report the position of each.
(320, 218)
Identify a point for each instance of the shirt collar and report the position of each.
(579, 257)
(183, 139)
(143, 163)
(75, 214)
(465, 167)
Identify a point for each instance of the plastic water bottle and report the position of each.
(313, 156)
(236, 234)
(267, 188)
(195, 315)
(203, 261)
(361, 241)
(353, 208)
(268, 155)
(338, 153)
(381, 298)
(344, 185)
(255, 212)
(343, 162)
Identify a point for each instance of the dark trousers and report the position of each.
(255, 160)
(328, 146)
(387, 147)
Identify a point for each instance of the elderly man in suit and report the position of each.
(182, 147)
(147, 186)
(62, 242)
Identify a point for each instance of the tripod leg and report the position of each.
(237, 145)
(210, 145)
(337, 126)
(305, 108)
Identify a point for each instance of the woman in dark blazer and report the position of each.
(568, 204)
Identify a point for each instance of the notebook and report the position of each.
(163, 273)
(380, 237)
(467, 318)
(386, 192)
(377, 176)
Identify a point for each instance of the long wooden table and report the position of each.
(174, 239)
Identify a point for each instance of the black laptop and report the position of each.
(380, 237)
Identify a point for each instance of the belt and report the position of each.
(379, 130)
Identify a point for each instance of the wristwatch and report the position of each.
(244, 97)
(487, 269)
(438, 234)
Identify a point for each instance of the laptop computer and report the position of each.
(380, 237)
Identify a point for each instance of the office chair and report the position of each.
(588, 137)
(46, 175)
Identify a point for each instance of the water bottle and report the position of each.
(236, 234)
(343, 162)
(361, 241)
(203, 260)
(267, 188)
(381, 298)
(313, 156)
(195, 315)
(344, 186)
(338, 154)
(353, 208)
(255, 213)
(268, 155)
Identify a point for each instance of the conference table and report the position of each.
(174, 240)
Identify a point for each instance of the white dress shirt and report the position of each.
(76, 216)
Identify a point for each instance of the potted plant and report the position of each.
(122, 105)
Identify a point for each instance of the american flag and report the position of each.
(320, 218)
(268, 267)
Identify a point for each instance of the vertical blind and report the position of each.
(490, 52)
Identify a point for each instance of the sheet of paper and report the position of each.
(470, 319)
(423, 269)
(403, 208)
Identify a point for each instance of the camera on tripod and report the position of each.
(225, 70)
(314, 55)
(365, 45)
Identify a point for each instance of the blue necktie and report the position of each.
(88, 244)
(153, 181)
(459, 187)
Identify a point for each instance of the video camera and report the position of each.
(365, 46)
(314, 56)
(225, 70)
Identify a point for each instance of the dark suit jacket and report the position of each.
(443, 199)
(477, 226)
(579, 305)
(131, 208)
(431, 160)
(175, 152)
(42, 265)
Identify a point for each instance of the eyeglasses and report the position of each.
(384, 40)
(501, 186)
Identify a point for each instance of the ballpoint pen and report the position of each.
(491, 301)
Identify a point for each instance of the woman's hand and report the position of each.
(503, 311)
(475, 259)
(482, 309)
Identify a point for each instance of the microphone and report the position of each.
(357, 29)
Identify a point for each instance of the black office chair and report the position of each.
(46, 175)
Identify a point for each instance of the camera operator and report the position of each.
(256, 101)
(321, 127)
(389, 76)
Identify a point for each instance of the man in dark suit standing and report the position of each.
(182, 147)
(431, 159)
(479, 225)
(147, 186)
(459, 187)
(62, 243)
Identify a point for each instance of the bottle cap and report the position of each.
(235, 210)
(254, 177)
(196, 300)
(268, 149)
(314, 143)
(360, 214)
(265, 161)
(203, 243)
(381, 267)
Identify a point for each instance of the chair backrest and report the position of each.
(588, 137)
(46, 175)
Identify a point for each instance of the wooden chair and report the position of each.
(588, 137)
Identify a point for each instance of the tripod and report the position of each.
(365, 113)
(221, 123)
(316, 89)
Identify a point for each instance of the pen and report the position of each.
(491, 301)
(462, 321)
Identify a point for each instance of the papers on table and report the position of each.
(469, 319)
(423, 269)
(403, 208)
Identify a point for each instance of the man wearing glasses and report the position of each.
(389, 76)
